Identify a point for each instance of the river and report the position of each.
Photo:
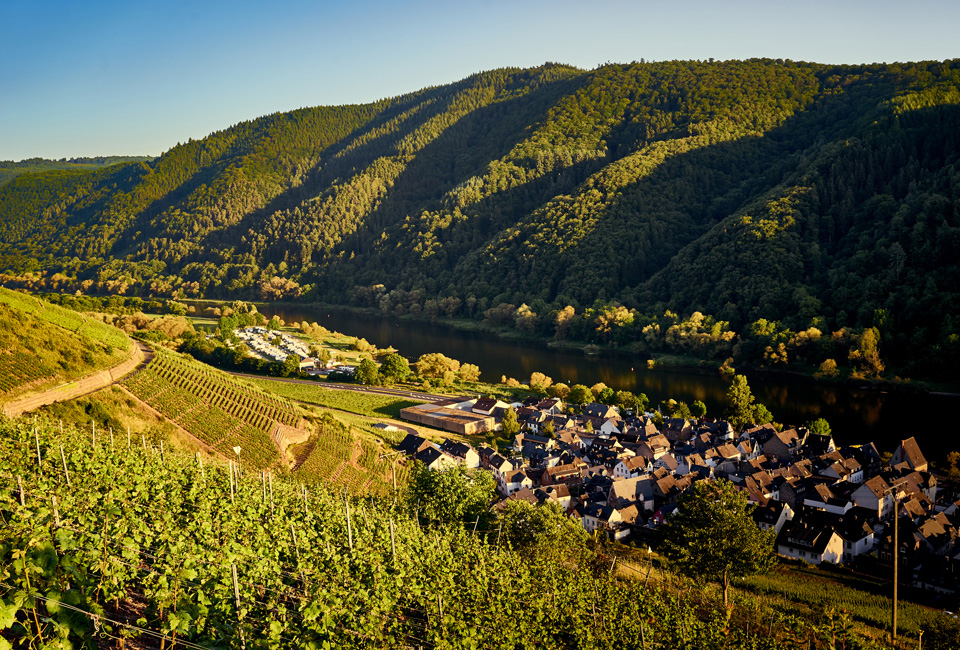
(855, 416)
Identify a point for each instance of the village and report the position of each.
(621, 475)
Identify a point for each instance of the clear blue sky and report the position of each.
(132, 77)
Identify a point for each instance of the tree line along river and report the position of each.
(855, 415)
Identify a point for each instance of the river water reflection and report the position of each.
(856, 416)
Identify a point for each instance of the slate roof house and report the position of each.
(909, 452)
(811, 544)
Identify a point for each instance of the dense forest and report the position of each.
(770, 211)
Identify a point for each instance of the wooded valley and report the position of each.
(771, 199)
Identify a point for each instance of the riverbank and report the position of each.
(650, 359)
(664, 360)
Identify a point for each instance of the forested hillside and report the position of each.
(781, 198)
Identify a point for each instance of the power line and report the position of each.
(96, 618)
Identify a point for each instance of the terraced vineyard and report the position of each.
(338, 455)
(213, 406)
(65, 318)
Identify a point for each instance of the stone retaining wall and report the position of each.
(285, 436)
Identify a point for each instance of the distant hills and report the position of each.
(10, 170)
(803, 194)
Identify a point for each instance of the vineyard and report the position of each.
(67, 319)
(336, 455)
(213, 406)
(17, 368)
(128, 547)
(870, 608)
(343, 400)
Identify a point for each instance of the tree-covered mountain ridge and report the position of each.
(789, 200)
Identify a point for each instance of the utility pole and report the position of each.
(894, 490)
(896, 567)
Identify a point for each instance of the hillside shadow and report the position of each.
(654, 217)
(859, 164)
(242, 148)
(392, 410)
(459, 152)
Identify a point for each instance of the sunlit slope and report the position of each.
(43, 345)
(218, 409)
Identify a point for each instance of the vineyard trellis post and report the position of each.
(39, 457)
(236, 595)
(349, 527)
(393, 469)
(231, 481)
(111, 439)
(270, 480)
(163, 460)
(143, 441)
(56, 511)
(93, 434)
(393, 542)
(23, 497)
(65, 471)
(296, 548)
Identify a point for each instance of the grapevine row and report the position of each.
(18, 368)
(213, 406)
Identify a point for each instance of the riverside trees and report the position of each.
(742, 407)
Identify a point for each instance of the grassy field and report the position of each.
(105, 335)
(377, 406)
(807, 591)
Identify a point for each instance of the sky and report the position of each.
(131, 77)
